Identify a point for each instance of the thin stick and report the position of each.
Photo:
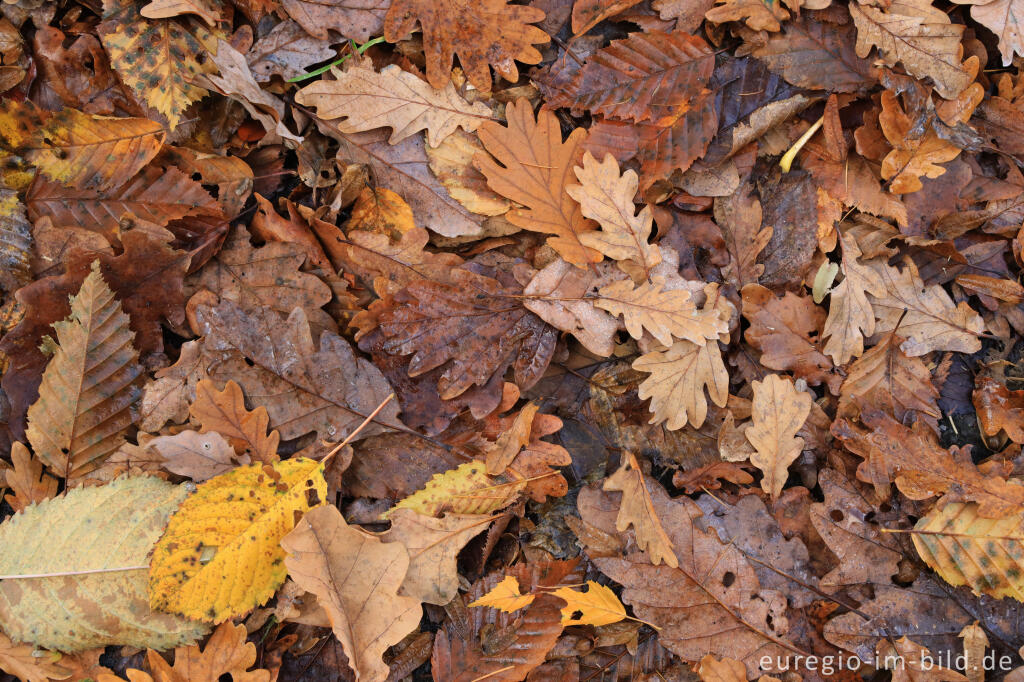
(64, 573)
(349, 437)
(492, 674)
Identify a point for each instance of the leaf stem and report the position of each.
(323, 69)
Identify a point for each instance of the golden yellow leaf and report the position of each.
(967, 549)
(91, 386)
(678, 377)
(597, 606)
(637, 509)
(220, 556)
(777, 413)
(381, 211)
(361, 99)
(506, 596)
(467, 489)
(664, 313)
(607, 197)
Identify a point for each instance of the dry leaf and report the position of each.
(25, 478)
(597, 606)
(637, 509)
(505, 596)
(224, 412)
(777, 413)
(678, 377)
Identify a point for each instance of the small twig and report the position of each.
(351, 436)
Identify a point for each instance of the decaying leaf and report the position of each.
(464, 490)
(777, 413)
(637, 509)
(678, 378)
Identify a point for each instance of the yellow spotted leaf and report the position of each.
(156, 58)
(967, 549)
(466, 489)
(597, 606)
(221, 554)
(506, 596)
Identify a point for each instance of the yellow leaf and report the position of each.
(506, 596)
(967, 549)
(220, 555)
(466, 489)
(22, 661)
(381, 211)
(597, 606)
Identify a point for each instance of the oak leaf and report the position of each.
(778, 412)
(362, 99)
(914, 662)
(710, 603)
(645, 76)
(678, 377)
(467, 489)
(491, 32)
(163, 76)
(356, 578)
(71, 536)
(607, 197)
(219, 556)
(505, 596)
(511, 441)
(588, 13)
(451, 162)
(924, 314)
(914, 154)
(921, 468)
(304, 388)
(164, 9)
(739, 216)
(758, 14)
(23, 661)
(433, 546)
(597, 606)
(90, 388)
(389, 265)
(851, 316)
(356, 19)
(25, 478)
(225, 653)
(471, 328)
(78, 150)
(224, 412)
(196, 456)
(1004, 18)
(920, 36)
(965, 548)
(637, 509)
(529, 164)
(664, 313)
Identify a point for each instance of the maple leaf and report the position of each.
(777, 413)
(636, 508)
(356, 578)
(700, 592)
(851, 316)
(491, 32)
(224, 412)
(920, 36)
(332, 393)
(913, 155)
(782, 329)
(505, 596)
(645, 76)
(921, 469)
(89, 391)
(355, 19)
(473, 336)
(597, 606)
(678, 378)
(466, 489)
(433, 546)
(80, 608)
(362, 99)
(78, 150)
(966, 548)
(157, 59)
(26, 480)
(607, 197)
(218, 560)
(924, 314)
(530, 166)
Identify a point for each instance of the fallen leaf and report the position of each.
(530, 165)
(637, 509)
(356, 578)
(225, 653)
(588, 13)
(678, 377)
(356, 19)
(164, 9)
(466, 489)
(914, 154)
(224, 412)
(23, 661)
(597, 606)
(778, 412)
(196, 456)
(664, 313)
(288, 49)
(218, 560)
(505, 596)
(28, 484)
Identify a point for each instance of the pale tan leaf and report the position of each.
(356, 577)
(362, 99)
(637, 509)
(451, 162)
(197, 456)
(26, 479)
(850, 314)
(557, 295)
(164, 9)
(778, 412)
(678, 378)
(665, 314)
